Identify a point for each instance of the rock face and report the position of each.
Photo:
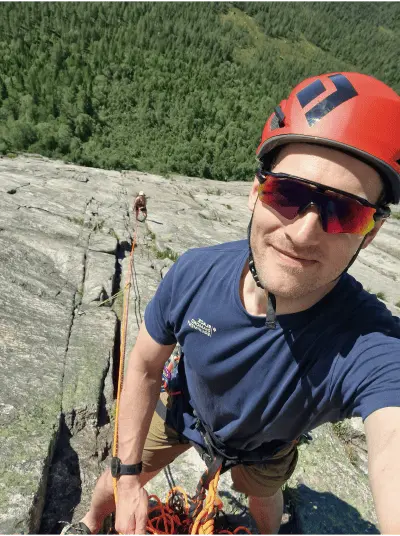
(65, 235)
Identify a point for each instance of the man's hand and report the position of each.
(382, 429)
(131, 507)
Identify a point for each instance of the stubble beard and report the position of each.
(282, 282)
(287, 282)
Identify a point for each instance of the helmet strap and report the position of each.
(353, 257)
(270, 321)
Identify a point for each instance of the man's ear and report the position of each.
(372, 234)
(253, 194)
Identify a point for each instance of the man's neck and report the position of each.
(254, 298)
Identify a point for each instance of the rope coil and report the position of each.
(181, 514)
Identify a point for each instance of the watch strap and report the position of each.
(119, 469)
(133, 469)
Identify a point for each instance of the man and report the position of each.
(291, 340)
(140, 206)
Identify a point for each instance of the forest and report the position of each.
(173, 87)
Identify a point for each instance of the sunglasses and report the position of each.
(340, 212)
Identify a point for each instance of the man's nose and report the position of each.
(306, 229)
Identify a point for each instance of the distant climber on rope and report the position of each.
(140, 207)
(276, 336)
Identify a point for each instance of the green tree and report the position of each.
(184, 87)
(21, 135)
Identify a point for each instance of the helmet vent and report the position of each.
(398, 161)
(274, 122)
(278, 121)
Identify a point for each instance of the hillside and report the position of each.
(173, 87)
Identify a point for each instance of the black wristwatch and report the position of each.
(119, 469)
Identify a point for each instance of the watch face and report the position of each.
(115, 466)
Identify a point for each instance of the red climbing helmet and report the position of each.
(347, 111)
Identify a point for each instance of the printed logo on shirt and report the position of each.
(203, 327)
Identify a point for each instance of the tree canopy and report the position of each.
(175, 87)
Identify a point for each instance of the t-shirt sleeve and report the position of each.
(372, 377)
(157, 317)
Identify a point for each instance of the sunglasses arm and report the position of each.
(382, 213)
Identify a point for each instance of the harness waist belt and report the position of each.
(231, 456)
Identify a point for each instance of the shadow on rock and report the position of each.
(306, 512)
(64, 486)
(324, 513)
(124, 248)
(240, 516)
(237, 514)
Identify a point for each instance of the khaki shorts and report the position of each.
(164, 444)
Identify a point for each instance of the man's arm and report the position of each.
(140, 392)
(382, 429)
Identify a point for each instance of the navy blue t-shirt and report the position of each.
(250, 384)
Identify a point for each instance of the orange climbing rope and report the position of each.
(124, 325)
(180, 514)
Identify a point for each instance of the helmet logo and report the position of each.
(344, 92)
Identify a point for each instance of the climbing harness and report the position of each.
(215, 449)
(179, 514)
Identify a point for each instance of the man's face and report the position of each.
(296, 257)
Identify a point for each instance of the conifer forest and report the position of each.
(177, 87)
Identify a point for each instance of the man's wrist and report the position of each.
(119, 469)
(129, 482)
